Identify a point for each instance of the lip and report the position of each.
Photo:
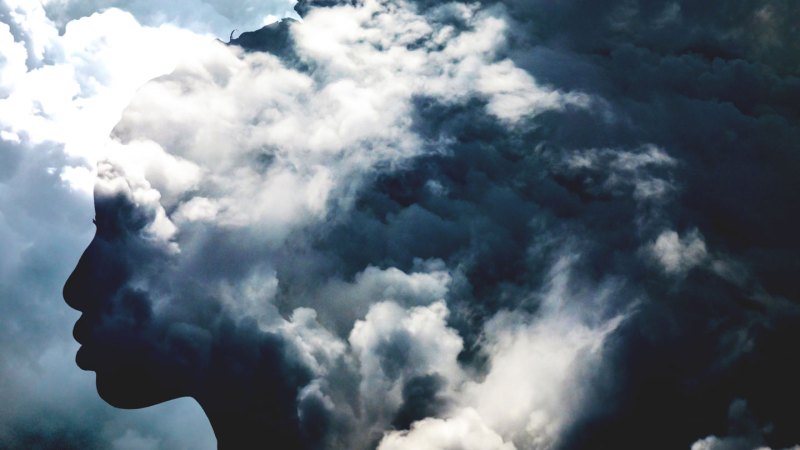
(81, 333)
(84, 359)
(79, 330)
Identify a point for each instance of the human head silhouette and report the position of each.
(291, 238)
(151, 330)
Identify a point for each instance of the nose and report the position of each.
(76, 287)
(100, 272)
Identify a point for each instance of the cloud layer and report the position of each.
(401, 224)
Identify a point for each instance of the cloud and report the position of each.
(342, 302)
(537, 365)
(745, 433)
(534, 382)
(74, 86)
(465, 431)
(393, 346)
(678, 254)
(401, 224)
(13, 62)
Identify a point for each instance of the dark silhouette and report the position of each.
(273, 38)
(246, 380)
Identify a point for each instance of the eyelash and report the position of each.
(94, 221)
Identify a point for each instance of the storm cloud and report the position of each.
(401, 224)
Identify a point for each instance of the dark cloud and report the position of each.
(421, 399)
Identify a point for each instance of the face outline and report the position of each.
(118, 331)
(146, 350)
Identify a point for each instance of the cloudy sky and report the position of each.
(400, 224)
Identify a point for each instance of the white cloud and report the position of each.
(76, 94)
(342, 302)
(112, 181)
(12, 61)
(536, 379)
(531, 391)
(393, 344)
(147, 162)
(465, 431)
(252, 297)
(677, 254)
(649, 155)
(513, 93)
(628, 168)
(538, 363)
(197, 209)
(320, 348)
(28, 20)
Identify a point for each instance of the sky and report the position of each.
(401, 224)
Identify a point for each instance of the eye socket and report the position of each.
(94, 221)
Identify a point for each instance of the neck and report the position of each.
(249, 388)
(250, 394)
(251, 428)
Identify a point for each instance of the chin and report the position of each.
(132, 389)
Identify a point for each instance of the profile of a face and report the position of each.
(117, 329)
(151, 335)
(291, 241)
